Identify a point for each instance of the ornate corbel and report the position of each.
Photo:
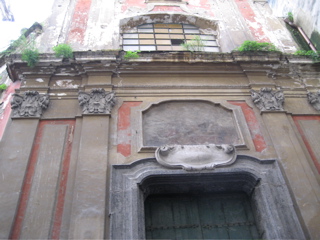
(98, 101)
(267, 99)
(314, 99)
(31, 104)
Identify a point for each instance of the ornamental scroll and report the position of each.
(98, 101)
(196, 157)
(31, 104)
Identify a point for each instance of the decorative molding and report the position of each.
(31, 104)
(98, 101)
(196, 157)
(314, 99)
(131, 184)
(267, 99)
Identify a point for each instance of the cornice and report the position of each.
(113, 62)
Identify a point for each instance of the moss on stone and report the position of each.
(298, 38)
(315, 39)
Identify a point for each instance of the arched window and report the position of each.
(169, 37)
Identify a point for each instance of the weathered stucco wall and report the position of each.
(95, 24)
(83, 147)
(56, 167)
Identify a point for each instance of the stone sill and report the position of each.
(256, 56)
(298, 59)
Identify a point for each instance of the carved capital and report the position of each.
(267, 99)
(196, 157)
(98, 101)
(314, 99)
(31, 104)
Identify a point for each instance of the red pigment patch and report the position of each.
(79, 21)
(7, 106)
(124, 128)
(296, 120)
(253, 125)
(57, 221)
(133, 3)
(248, 14)
(166, 9)
(204, 4)
(27, 184)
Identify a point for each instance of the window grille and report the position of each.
(167, 37)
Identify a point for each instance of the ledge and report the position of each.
(109, 61)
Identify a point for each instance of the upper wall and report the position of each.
(95, 24)
(306, 14)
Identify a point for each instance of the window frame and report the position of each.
(159, 37)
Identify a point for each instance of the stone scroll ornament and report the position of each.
(98, 101)
(196, 157)
(267, 99)
(314, 99)
(31, 104)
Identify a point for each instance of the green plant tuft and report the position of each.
(195, 45)
(3, 86)
(315, 55)
(290, 17)
(63, 50)
(30, 56)
(132, 54)
(254, 46)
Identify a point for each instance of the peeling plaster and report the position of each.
(66, 84)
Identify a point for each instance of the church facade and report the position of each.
(159, 127)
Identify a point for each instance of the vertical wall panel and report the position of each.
(42, 196)
(309, 128)
(15, 147)
(40, 207)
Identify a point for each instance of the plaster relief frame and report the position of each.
(245, 140)
(261, 180)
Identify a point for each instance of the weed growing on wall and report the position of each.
(315, 55)
(254, 46)
(63, 50)
(195, 45)
(31, 56)
(3, 87)
(131, 54)
(29, 53)
(290, 17)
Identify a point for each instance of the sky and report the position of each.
(26, 12)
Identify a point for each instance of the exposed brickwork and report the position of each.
(251, 20)
(5, 115)
(167, 9)
(124, 128)
(79, 21)
(253, 125)
(306, 141)
(133, 3)
(202, 4)
(57, 221)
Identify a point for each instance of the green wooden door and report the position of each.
(206, 216)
